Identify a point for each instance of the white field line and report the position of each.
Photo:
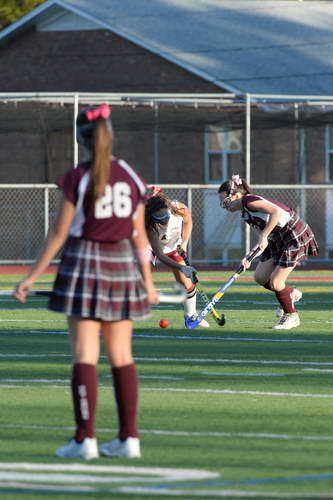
(198, 391)
(161, 377)
(231, 391)
(221, 493)
(33, 381)
(161, 473)
(232, 339)
(153, 324)
(34, 332)
(244, 374)
(236, 361)
(32, 320)
(48, 487)
(185, 360)
(30, 309)
(317, 370)
(93, 479)
(64, 381)
(178, 337)
(24, 355)
(135, 490)
(197, 434)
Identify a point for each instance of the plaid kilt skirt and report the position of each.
(291, 244)
(99, 281)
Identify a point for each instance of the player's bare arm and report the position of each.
(55, 240)
(274, 215)
(140, 242)
(157, 249)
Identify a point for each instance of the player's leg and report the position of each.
(287, 296)
(118, 344)
(263, 273)
(274, 278)
(190, 304)
(85, 341)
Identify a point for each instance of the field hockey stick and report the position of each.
(220, 320)
(194, 323)
(176, 297)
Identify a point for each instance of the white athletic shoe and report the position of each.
(202, 323)
(296, 296)
(87, 449)
(130, 448)
(288, 321)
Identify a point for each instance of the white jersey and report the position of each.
(171, 235)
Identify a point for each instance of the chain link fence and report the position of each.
(218, 237)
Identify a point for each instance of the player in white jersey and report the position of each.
(169, 225)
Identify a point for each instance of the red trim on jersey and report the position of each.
(174, 255)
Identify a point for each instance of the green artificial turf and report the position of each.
(251, 404)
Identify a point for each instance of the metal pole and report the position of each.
(189, 204)
(248, 161)
(76, 112)
(46, 211)
(156, 148)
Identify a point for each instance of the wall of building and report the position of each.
(89, 61)
(36, 145)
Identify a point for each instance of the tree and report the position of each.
(11, 10)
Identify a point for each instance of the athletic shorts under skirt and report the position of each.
(99, 281)
(291, 244)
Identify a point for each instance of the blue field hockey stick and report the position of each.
(194, 323)
(220, 320)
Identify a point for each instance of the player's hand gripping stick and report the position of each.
(189, 323)
(220, 320)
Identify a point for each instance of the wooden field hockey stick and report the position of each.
(177, 297)
(220, 320)
(190, 323)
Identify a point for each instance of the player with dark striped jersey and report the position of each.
(284, 238)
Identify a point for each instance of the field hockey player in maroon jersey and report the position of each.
(283, 237)
(100, 222)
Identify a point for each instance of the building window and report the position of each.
(223, 154)
(329, 153)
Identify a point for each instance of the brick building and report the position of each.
(202, 46)
(208, 47)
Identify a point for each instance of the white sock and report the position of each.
(190, 303)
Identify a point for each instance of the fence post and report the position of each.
(248, 162)
(46, 211)
(76, 112)
(189, 204)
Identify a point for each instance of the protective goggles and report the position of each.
(162, 218)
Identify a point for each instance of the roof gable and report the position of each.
(247, 46)
(67, 21)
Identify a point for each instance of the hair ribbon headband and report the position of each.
(236, 179)
(103, 111)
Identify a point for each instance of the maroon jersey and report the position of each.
(258, 220)
(110, 219)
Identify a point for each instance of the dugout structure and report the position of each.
(188, 143)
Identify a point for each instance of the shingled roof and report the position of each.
(243, 46)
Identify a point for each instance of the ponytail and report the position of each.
(101, 157)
